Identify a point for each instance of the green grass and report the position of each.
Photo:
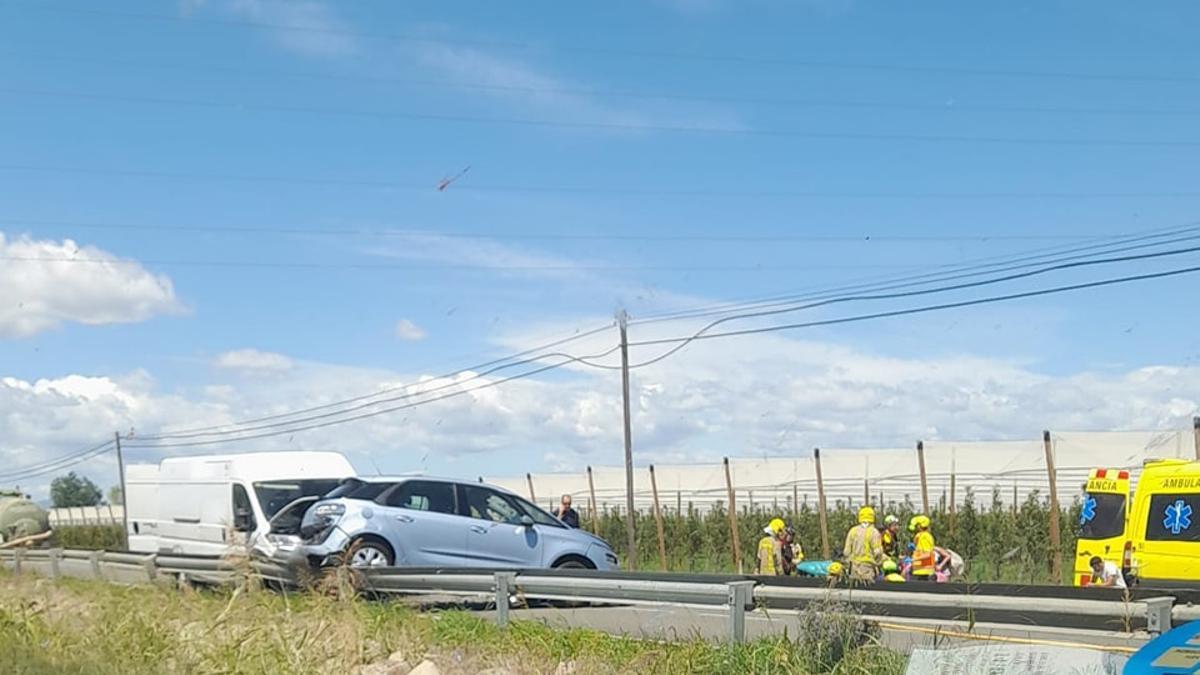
(90, 537)
(92, 628)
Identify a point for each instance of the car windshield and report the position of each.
(274, 495)
(1102, 515)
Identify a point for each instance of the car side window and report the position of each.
(539, 516)
(487, 504)
(422, 495)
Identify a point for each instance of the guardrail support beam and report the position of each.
(55, 558)
(150, 563)
(18, 556)
(505, 582)
(1158, 614)
(741, 594)
(94, 557)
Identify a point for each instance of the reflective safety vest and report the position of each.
(923, 563)
(889, 543)
(766, 556)
(862, 545)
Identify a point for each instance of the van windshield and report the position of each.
(274, 495)
(1102, 515)
(353, 488)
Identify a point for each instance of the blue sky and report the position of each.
(684, 119)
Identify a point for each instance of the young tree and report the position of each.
(115, 496)
(74, 490)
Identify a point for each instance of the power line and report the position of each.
(748, 59)
(904, 294)
(968, 269)
(566, 360)
(476, 367)
(290, 424)
(927, 308)
(948, 106)
(550, 236)
(57, 464)
(267, 264)
(618, 126)
(864, 317)
(388, 390)
(376, 183)
(362, 416)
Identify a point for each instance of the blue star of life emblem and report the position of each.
(1178, 517)
(1088, 512)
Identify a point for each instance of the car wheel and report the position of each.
(367, 553)
(572, 564)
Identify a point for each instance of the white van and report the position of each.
(210, 505)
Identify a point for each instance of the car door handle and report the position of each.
(479, 529)
(404, 519)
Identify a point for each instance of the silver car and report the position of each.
(433, 522)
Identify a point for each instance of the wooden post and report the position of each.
(795, 500)
(924, 484)
(733, 528)
(592, 502)
(1196, 434)
(662, 540)
(679, 503)
(866, 478)
(821, 505)
(1055, 540)
(529, 479)
(953, 509)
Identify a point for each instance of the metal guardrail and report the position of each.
(734, 594)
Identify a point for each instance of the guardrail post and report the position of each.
(1158, 614)
(740, 595)
(504, 587)
(55, 557)
(18, 555)
(151, 567)
(94, 557)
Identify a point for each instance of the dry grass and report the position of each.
(95, 628)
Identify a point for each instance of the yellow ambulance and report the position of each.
(1164, 524)
(1102, 521)
(1155, 536)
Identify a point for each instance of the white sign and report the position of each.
(1002, 659)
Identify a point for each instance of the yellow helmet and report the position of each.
(918, 522)
(777, 525)
(835, 569)
(866, 515)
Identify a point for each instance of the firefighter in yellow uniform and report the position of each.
(923, 557)
(864, 548)
(770, 558)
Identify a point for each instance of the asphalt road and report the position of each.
(899, 634)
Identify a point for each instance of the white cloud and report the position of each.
(521, 83)
(487, 254)
(307, 27)
(253, 361)
(408, 331)
(772, 395)
(41, 288)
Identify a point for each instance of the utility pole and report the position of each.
(630, 530)
(124, 493)
(1055, 541)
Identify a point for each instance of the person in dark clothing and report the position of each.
(565, 513)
